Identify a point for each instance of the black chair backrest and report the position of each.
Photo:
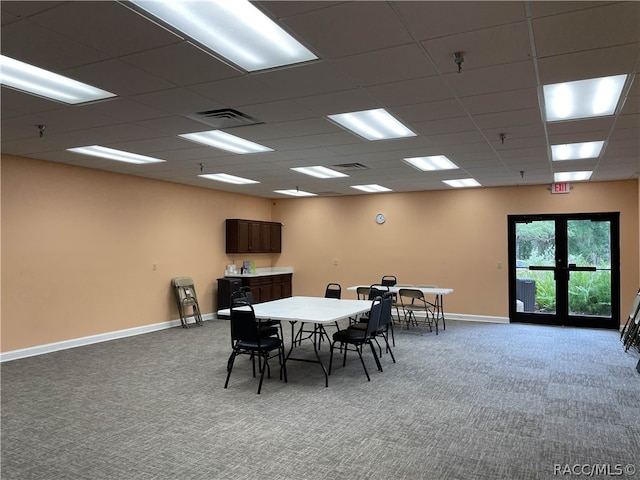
(247, 294)
(333, 290)
(374, 317)
(389, 280)
(377, 291)
(244, 326)
(385, 316)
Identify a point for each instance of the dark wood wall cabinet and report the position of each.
(253, 236)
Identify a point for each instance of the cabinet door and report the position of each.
(237, 236)
(265, 237)
(275, 233)
(255, 244)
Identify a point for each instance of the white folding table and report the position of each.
(316, 310)
(438, 293)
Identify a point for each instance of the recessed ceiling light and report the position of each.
(226, 141)
(571, 176)
(223, 177)
(375, 124)
(320, 172)
(235, 30)
(463, 182)
(113, 154)
(595, 97)
(37, 81)
(436, 162)
(295, 193)
(372, 188)
(576, 151)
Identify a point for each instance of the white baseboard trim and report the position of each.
(129, 332)
(82, 341)
(476, 318)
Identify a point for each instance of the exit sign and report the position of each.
(560, 187)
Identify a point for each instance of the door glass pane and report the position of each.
(589, 245)
(535, 246)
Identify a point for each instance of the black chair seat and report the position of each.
(269, 343)
(350, 335)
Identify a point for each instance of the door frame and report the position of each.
(563, 317)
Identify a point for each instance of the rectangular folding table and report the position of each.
(316, 310)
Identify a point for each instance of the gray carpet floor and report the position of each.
(478, 401)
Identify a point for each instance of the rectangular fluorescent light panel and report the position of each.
(576, 151)
(320, 172)
(373, 188)
(436, 162)
(37, 81)
(596, 97)
(295, 193)
(571, 176)
(224, 177)
(225, 141)
(463, 182)
(235, 30)
(375, 124)
(113, 154)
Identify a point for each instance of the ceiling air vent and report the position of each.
(350, 166)
(224, 118)
(328, 194)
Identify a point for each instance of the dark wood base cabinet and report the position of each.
(269, 287)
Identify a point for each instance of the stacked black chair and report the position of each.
(359, 338)
(247, 339)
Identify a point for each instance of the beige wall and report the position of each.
(78, 245)
(450, 238)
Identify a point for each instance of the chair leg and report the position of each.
(266, 361)
(229, 367)
(362, 361)
(389, 347)
(375, 356)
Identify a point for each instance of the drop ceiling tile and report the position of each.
(311, 78)
(595, 63)
(129, 81)
(449, 125)
(285, 110)
(39, 46)
(439, 18)
(394, 64)
(352, 100)
(481, 48)
(182, 64)
(579, 126)
(176, 100)
(238, 91)
(439, 110)
(505, 120)
(609, 25)
(501, 101)
(355, 27)
(408, 92)
(494, 79)
(109, 27)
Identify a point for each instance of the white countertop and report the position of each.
(261, 272)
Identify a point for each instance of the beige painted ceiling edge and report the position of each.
(395, 55)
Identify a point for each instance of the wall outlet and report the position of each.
(155, 267)
(335, 261)
(499, 265)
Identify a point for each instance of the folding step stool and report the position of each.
(186, 297)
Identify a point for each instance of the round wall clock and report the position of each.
(380, 218)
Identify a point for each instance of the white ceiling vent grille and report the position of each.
(350, 166)
(224, 118)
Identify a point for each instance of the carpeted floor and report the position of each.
(479, 401)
